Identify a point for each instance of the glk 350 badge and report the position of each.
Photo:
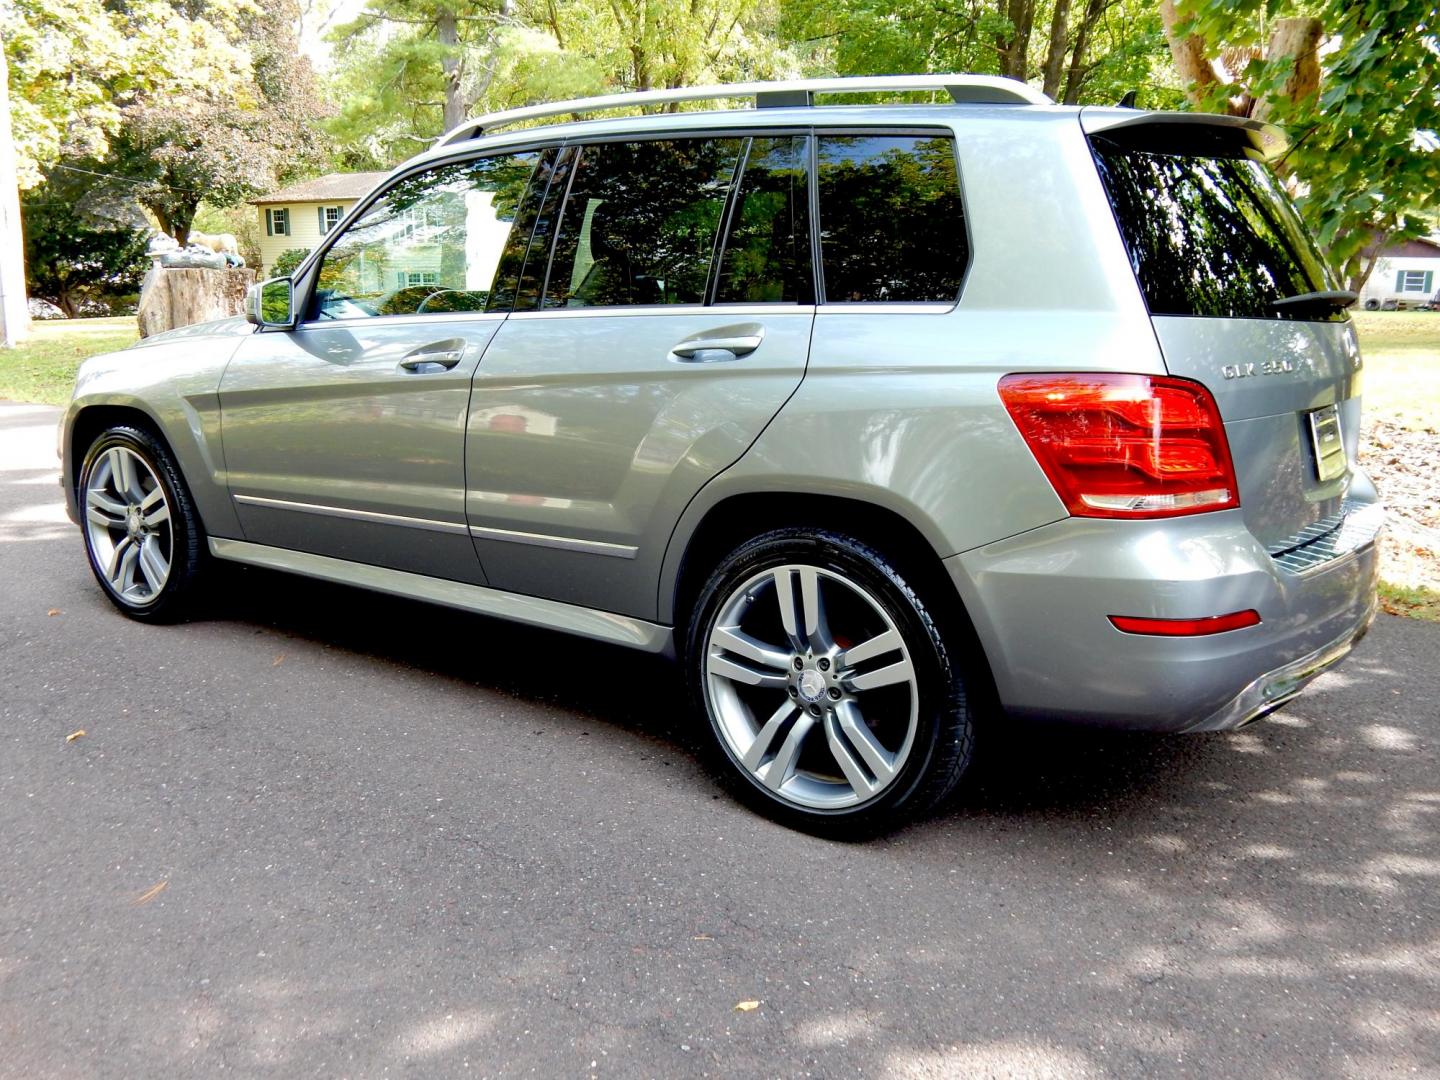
(1264, 367)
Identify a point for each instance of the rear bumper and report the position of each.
(1040, 603)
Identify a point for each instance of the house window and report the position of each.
(405, 279)
(329, 217)
(1417, 281)
(277, 221)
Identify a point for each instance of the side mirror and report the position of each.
(271, 303)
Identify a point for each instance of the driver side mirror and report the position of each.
(271, 303)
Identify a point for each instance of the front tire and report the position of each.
(832, 699)
(142, 534)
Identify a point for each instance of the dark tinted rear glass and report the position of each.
(1212, 234)
(766, 257)
(891, 225)
(639, 223)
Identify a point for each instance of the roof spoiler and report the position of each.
(1180, 132)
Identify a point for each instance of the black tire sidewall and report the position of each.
(942, 716)
(187, 541)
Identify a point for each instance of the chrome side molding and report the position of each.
(354, 515)
(564, 543)
(531, 610)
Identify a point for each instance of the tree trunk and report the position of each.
(447, 33)
(180, 297)
(1014, 50)
(1297, 40)
(1075, 76)
(1188, 52)
(1055, 52)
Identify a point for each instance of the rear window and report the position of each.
(891, 225)
(1210, 234)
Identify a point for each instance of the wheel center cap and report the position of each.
(132, 520)
(811, 685)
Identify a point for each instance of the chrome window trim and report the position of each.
(375, 516)
(427, 318)
(667, 309)
(563, 543)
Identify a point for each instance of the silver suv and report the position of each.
(881, 418)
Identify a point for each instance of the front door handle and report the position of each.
(429, 359)
(725, 343)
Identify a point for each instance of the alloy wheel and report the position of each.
(812, 687)
(128, 526)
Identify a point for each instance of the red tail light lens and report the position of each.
(1125, 446)
(1213, 624)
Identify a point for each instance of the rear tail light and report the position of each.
(1125, 446)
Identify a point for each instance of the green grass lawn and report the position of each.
(1402, 366)
(43, 368)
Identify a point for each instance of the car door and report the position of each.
(670, 323)
(345, 436)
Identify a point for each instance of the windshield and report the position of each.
(1210, 234)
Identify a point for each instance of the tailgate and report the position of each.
(1242, 302)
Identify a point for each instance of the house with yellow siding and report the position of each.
(301, 215)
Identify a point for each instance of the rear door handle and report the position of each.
(735, 340)
(429, 359)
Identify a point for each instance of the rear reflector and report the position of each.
(1215, 624)
(1125, 446)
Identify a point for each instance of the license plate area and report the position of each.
(1330, 461)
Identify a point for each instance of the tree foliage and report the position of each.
(1355, 83)
(1077, 50)
(72, 260)
(163, 103)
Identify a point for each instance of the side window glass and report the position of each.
(639, 223)
(766, 255)
(431, 243)
(892, 228)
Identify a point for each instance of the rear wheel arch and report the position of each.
(740, 517)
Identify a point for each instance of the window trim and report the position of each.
(306, 276)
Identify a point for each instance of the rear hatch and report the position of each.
(1220, 254)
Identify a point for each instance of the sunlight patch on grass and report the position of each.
(42, 369)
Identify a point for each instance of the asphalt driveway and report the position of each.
(329, 833)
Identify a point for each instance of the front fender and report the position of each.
(174, 383)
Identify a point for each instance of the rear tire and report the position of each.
(832, 700)
(142, 533)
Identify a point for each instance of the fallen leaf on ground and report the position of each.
(149, 894)
(54, 611)
(279, 659)
(702, 937)
(74, 735)
(747, 1006)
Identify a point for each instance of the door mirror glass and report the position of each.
(271, 303)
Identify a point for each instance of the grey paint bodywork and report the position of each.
(559, 473)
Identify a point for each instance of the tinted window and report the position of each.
(766, 255)
(639, 223)
(431, 243)
(1209, 235)
(891, 224)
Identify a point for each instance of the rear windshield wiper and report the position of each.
(1332, 299)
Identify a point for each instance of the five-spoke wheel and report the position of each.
(141, 531)
(127, 520)
(824, 713)
(826, 682)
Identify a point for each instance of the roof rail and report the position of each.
(990, 89)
